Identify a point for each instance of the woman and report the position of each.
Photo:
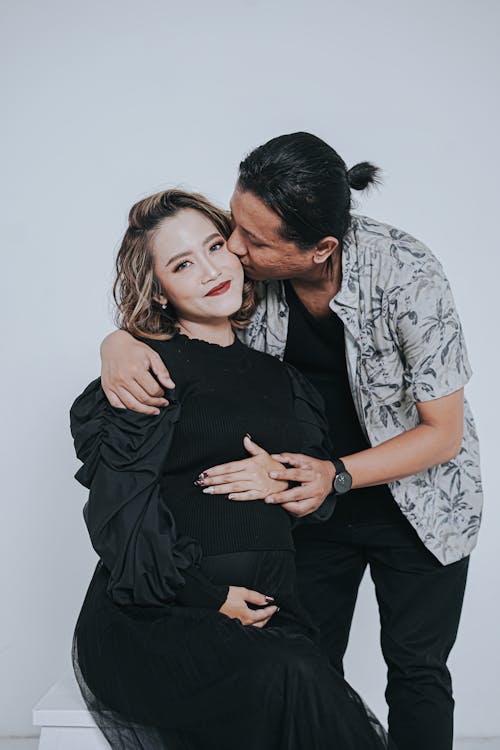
(174, 648)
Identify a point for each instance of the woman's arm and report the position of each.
(130, 526)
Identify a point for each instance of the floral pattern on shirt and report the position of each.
(404, 344)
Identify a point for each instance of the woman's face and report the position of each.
(199, 277)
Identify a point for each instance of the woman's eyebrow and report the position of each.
(211, 237)
(188, 252)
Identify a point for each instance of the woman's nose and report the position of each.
(210, 272)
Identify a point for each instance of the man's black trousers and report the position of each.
(419, 601)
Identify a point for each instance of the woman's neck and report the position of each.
(219, 332)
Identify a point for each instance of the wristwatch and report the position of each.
(342, 481)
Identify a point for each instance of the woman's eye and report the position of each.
(182, 265)
(217, 246)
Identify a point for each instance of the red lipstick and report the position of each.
(220, 289)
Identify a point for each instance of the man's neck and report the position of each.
(319, 285)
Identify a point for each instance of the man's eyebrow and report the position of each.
(252, 235)
(183, 254)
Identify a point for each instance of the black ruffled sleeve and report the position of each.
(130, 526)
(310, 413)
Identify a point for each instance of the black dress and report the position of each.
(158, 665)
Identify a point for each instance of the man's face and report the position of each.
(264, 254)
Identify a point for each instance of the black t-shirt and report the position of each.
(316, 347)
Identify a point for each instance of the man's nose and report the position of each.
(235, 244)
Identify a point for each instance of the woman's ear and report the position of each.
(158, 295)
(325, 249)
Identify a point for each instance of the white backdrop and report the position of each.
(109, 101)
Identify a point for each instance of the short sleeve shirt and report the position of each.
(404, 345)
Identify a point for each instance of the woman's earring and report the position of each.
(164, 307)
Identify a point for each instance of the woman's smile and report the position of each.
(219, 289)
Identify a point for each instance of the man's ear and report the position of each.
(325, 249)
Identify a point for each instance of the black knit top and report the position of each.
(148, 521)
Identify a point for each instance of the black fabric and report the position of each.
(420, 602)
(316, 347)
(158, 665)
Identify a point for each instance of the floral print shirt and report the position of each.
(404, 344)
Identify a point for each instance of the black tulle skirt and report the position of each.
(192, 679)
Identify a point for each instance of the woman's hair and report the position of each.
(307, 184)
(136, 284)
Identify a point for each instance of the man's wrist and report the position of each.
(342, 480)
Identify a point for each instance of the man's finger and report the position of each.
(113, 399)
(292, 475)
(161, 372)
(144, 396)
(288, 496)
(293, 459)
(301, 508)
(130, 402)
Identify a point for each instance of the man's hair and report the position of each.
(307, 184)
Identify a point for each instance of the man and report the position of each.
(366, 313)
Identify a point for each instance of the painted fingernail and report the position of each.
(269, 598)
(230, 497)
(273, 474)
(270, 500)
(202, 475)
(208, 490)
(248, 436)
(199, 482)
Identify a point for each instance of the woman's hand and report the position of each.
(247, 479)
(236, 606)
(126, 376)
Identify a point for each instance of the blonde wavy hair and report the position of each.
(136, 285)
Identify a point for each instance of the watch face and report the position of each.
(342, 482)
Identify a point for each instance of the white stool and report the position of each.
(64, 720)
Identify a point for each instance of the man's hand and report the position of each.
(126, 376)
(236, 606)
(315, 479)
(248, 479)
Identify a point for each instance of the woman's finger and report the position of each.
(236, 476)
(230, 468)
(255, 597)
(248, 495)
(258, 615)
(225, 489)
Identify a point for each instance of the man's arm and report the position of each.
(131, 374)
(435, 440)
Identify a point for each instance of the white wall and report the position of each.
(109, 101)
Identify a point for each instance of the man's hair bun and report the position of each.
(362, 175)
